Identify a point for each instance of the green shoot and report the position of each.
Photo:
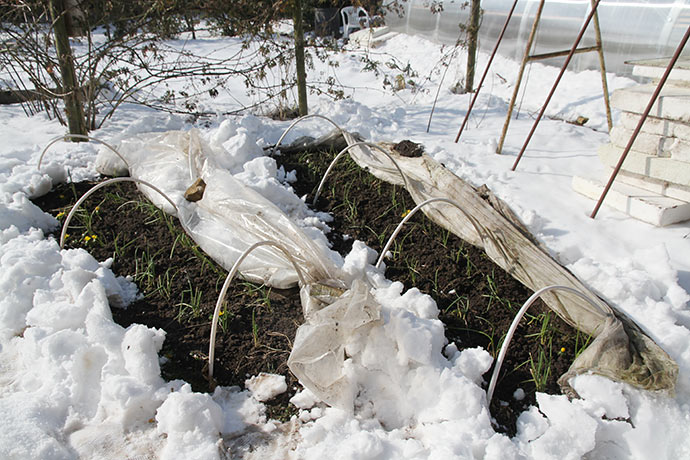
(540, 369)
(255, 328)
(190, 300)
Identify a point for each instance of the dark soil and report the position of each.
(476, 298)
(171, 272)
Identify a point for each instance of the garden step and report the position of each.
(673, 102)
(653, 144)
(655, 68)
(679, 192)
(639, 203)
(663, 169)
(654, 125)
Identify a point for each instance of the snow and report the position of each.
(265, 387)
(73, 384)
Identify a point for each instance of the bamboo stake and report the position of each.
(602, 66)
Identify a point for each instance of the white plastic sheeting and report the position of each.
(620, 351)
(329, 354)
(230, 217)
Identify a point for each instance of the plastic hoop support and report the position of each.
(78, 136)
(101, 185)
(514, 325)
(292, 125)
(413, 212)
(226, 284)
(346, 150)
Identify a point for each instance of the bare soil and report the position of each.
(476, 298)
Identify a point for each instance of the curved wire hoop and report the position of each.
(414, 211)
(346, 150)
(66, 137)
(224, 290)
(292, 125)
(514, 325)
(101, 185)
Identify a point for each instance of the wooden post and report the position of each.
(521, 72)
(602, 66)
(569, 54)
(573, 49)
(70, 90)
(299, 58)
(472, 33)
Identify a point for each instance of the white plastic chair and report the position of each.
(354, 18)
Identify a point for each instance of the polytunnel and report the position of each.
(630, 29)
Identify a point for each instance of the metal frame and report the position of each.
(569, 53)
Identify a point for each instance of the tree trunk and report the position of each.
(73, 108)
(74, 18)
(299, 58)
(472, 32)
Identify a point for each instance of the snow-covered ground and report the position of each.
(73, 384)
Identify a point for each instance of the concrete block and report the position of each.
(673, 103)
(679, 192)
(653, 125)
(653, 144)
(637, 203)
(663, 169)
(655, 68)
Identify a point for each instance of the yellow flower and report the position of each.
(98, 208)
(93, 237)
(404, 214)
(222, 312)
(562, 349)
(87, 238)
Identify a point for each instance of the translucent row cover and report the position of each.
(630, 29)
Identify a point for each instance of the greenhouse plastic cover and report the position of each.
(630, 29)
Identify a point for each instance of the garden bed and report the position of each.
(476, 298)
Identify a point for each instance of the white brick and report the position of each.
(676, 191)
(673, 103)
(655, 68)
(653, 125)
(637, 203)
(664, 169)
(652, 144)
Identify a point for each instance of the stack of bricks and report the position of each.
(653, 184)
